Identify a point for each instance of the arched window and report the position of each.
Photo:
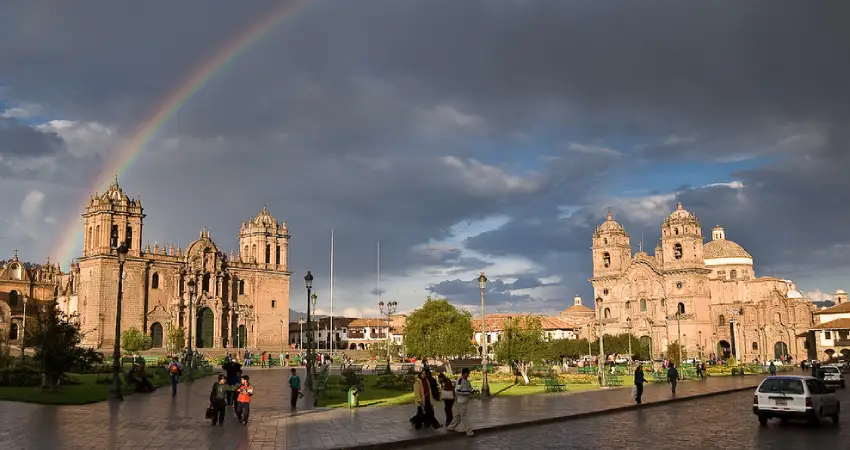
(643, 305)
(13, 298)
(205, 285)
(604, 241)
(681, 308)
(268, 253)
(254, 256)
(241, 287)
(13, 331)
(607, 313)
(721, 320)
(606, 259)
(676, 231)
(677, 251)
(128, 237)
(274, 303)
(733, 274)
(91, 238)
(113, 237)
(755, 346)
(97, 236)
(155, 281)
(277, 255)
(245, 253)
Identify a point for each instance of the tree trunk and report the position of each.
(523, 370)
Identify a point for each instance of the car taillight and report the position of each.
(808, 402)
(755, 399)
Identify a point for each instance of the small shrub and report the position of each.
(395, 382)
(20, 376)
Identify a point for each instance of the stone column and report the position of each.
(217, 318)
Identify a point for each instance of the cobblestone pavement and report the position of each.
(158, 421)
(721, 422)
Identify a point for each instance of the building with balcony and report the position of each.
(830, 337)
(494, 326)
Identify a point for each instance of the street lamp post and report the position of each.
(485, 386)
(301, 340)
(602, 360)
(189, 356)
(389, 311)
(680, 309)
(629, 322)
(115, 387)
(24, 330)
(308, 281)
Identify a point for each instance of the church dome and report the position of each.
(264, 218)
(610, 226)
(680, 215)
(720, 247)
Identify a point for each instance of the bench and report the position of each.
(589, 370)
(553, 385)
(381, 369)
(614, 380)
(407, 369)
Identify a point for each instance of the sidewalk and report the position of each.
(158, 421)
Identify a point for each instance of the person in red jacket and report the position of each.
(243, 399)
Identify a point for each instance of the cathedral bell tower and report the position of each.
(681, 240)
(265, 242)
(612, 250)
(112, 219)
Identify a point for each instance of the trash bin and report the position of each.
(353, 398)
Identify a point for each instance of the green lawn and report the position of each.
(88, 391)
(336, 396)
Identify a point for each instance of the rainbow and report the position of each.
(71, 243)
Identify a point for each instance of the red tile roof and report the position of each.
(837, 324)
(495, 322)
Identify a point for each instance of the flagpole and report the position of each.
(332, 293)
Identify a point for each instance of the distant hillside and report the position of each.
(824, 304)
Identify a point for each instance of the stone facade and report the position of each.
(707, 295)
(240, 300)
(830, 336)
(25, 289)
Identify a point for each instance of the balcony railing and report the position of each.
(356, 335)
(842, 342)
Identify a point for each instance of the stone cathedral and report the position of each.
(705, 295)
(241, 300)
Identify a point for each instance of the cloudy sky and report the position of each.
(464, 136)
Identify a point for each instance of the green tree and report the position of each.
(379, 349)
(175, 340)
(56, 339)
(438, 330)
(133, 340)
(521, 344)
(676, 353)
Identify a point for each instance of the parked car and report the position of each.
(795, 397)
(832, 375)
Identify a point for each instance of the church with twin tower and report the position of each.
(241, 300)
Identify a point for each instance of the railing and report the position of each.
(842, 342)
(356, 335)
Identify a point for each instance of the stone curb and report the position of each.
(508, 426)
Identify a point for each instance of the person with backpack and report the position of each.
(295, 387)
(233, 370)
(218, 400)
(175, 369)
(243, 399)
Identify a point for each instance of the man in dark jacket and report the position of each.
(673, 377)
(639, 381)
(233, 370)
(218, 399)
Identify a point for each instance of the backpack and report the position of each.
(174, 369)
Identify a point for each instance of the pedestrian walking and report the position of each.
(218, 399)
(772, 369)
(295, 387)
(233, 372)
(639, 381)
(463, 390)
(423, 392)
(243, 399)
(672, 376)
(448, 395)
(281, 360)
(263, 360)
(175, 369)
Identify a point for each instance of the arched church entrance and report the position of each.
(780, 349)
(205, 325)
(242, 336)
(724, 350)
(156, 335)
(13, 332)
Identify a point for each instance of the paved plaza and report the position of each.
(719, 422)
(158, 421)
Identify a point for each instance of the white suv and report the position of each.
(832, 375)
(795, 397)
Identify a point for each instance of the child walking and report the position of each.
(295, 386)
(243, 399)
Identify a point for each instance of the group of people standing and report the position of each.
(231, 389)
(427, 390)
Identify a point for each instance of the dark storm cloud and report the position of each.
(339, 118)
(22, 141)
